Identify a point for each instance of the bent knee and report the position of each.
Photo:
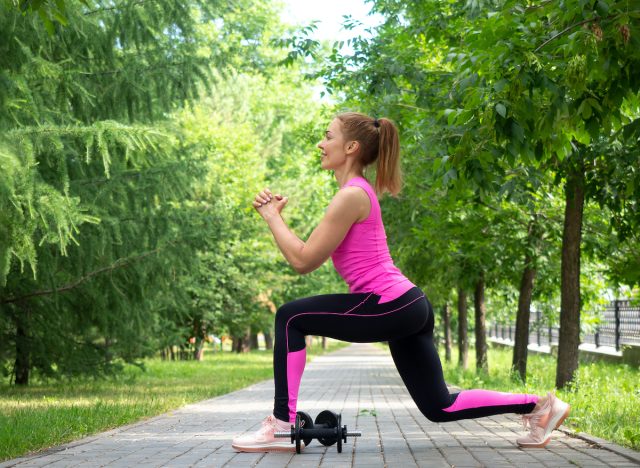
(436, 415)
(284, 312)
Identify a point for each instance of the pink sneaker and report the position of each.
(263, 440)
(543, 421)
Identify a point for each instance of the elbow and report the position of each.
(301, 269)
(306, 269)
(306, 264)
(300, 265)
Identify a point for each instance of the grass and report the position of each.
(48, 414)
(605, 400)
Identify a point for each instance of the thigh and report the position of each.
(418, 363)
(354, 317)
(327, 303)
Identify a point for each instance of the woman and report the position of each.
(382, 304)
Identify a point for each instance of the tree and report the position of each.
(519, 90)
(98, 181)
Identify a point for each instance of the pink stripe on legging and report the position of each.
(480, 398)
(295, 367)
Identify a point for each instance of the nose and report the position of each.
(319, 145)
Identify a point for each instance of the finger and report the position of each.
(267, 193)
(262, 199)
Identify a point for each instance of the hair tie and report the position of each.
(376, 123)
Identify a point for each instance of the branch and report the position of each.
(115, 7)
(410, 107)
(117, 264)
(148, 67)
(569, 28)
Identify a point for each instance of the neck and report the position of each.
(345, 177)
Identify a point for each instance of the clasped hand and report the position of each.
(268, 204)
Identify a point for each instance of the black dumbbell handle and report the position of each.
(315, 433)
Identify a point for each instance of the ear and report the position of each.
(352, 147)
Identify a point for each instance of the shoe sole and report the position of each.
(558, 423)
(273, 448)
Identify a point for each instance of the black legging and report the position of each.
(407, 324)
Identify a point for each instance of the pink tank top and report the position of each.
(363, 259)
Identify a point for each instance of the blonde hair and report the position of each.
(379, 141)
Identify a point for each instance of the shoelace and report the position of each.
(530, 419)
(533, 419)
(270, 421)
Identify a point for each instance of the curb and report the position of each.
(627, 453)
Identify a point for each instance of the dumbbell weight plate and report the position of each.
(296, 432)
(340, 433)
(329, 420)
(308, 424)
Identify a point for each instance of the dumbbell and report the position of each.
(326, 429)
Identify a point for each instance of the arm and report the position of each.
(345, 208)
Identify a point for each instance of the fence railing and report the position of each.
(619, 325)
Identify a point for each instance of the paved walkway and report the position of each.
(360, 382)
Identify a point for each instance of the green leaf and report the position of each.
(631, 130)
(501, 109)
(47, 22)
(585, 109)
(451, 115)
(517, 131)
(602, 7)
(500, 84)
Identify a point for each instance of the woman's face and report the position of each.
(333, 146)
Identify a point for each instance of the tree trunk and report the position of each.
(253, 341)
(446, 313)
(482, 361)
(23, 347)
(569, 338)
(108, 354)
(519, 364)
(268, 340)
(199, 350)
(324, 342)
(463, 342)
(241, 344)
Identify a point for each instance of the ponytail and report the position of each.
(388, 173)
(379, 141)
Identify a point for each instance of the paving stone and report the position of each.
(360, 382)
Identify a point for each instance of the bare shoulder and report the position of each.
(355, 200)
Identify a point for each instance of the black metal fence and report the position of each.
(619, 325)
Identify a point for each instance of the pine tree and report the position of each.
(94, 179)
